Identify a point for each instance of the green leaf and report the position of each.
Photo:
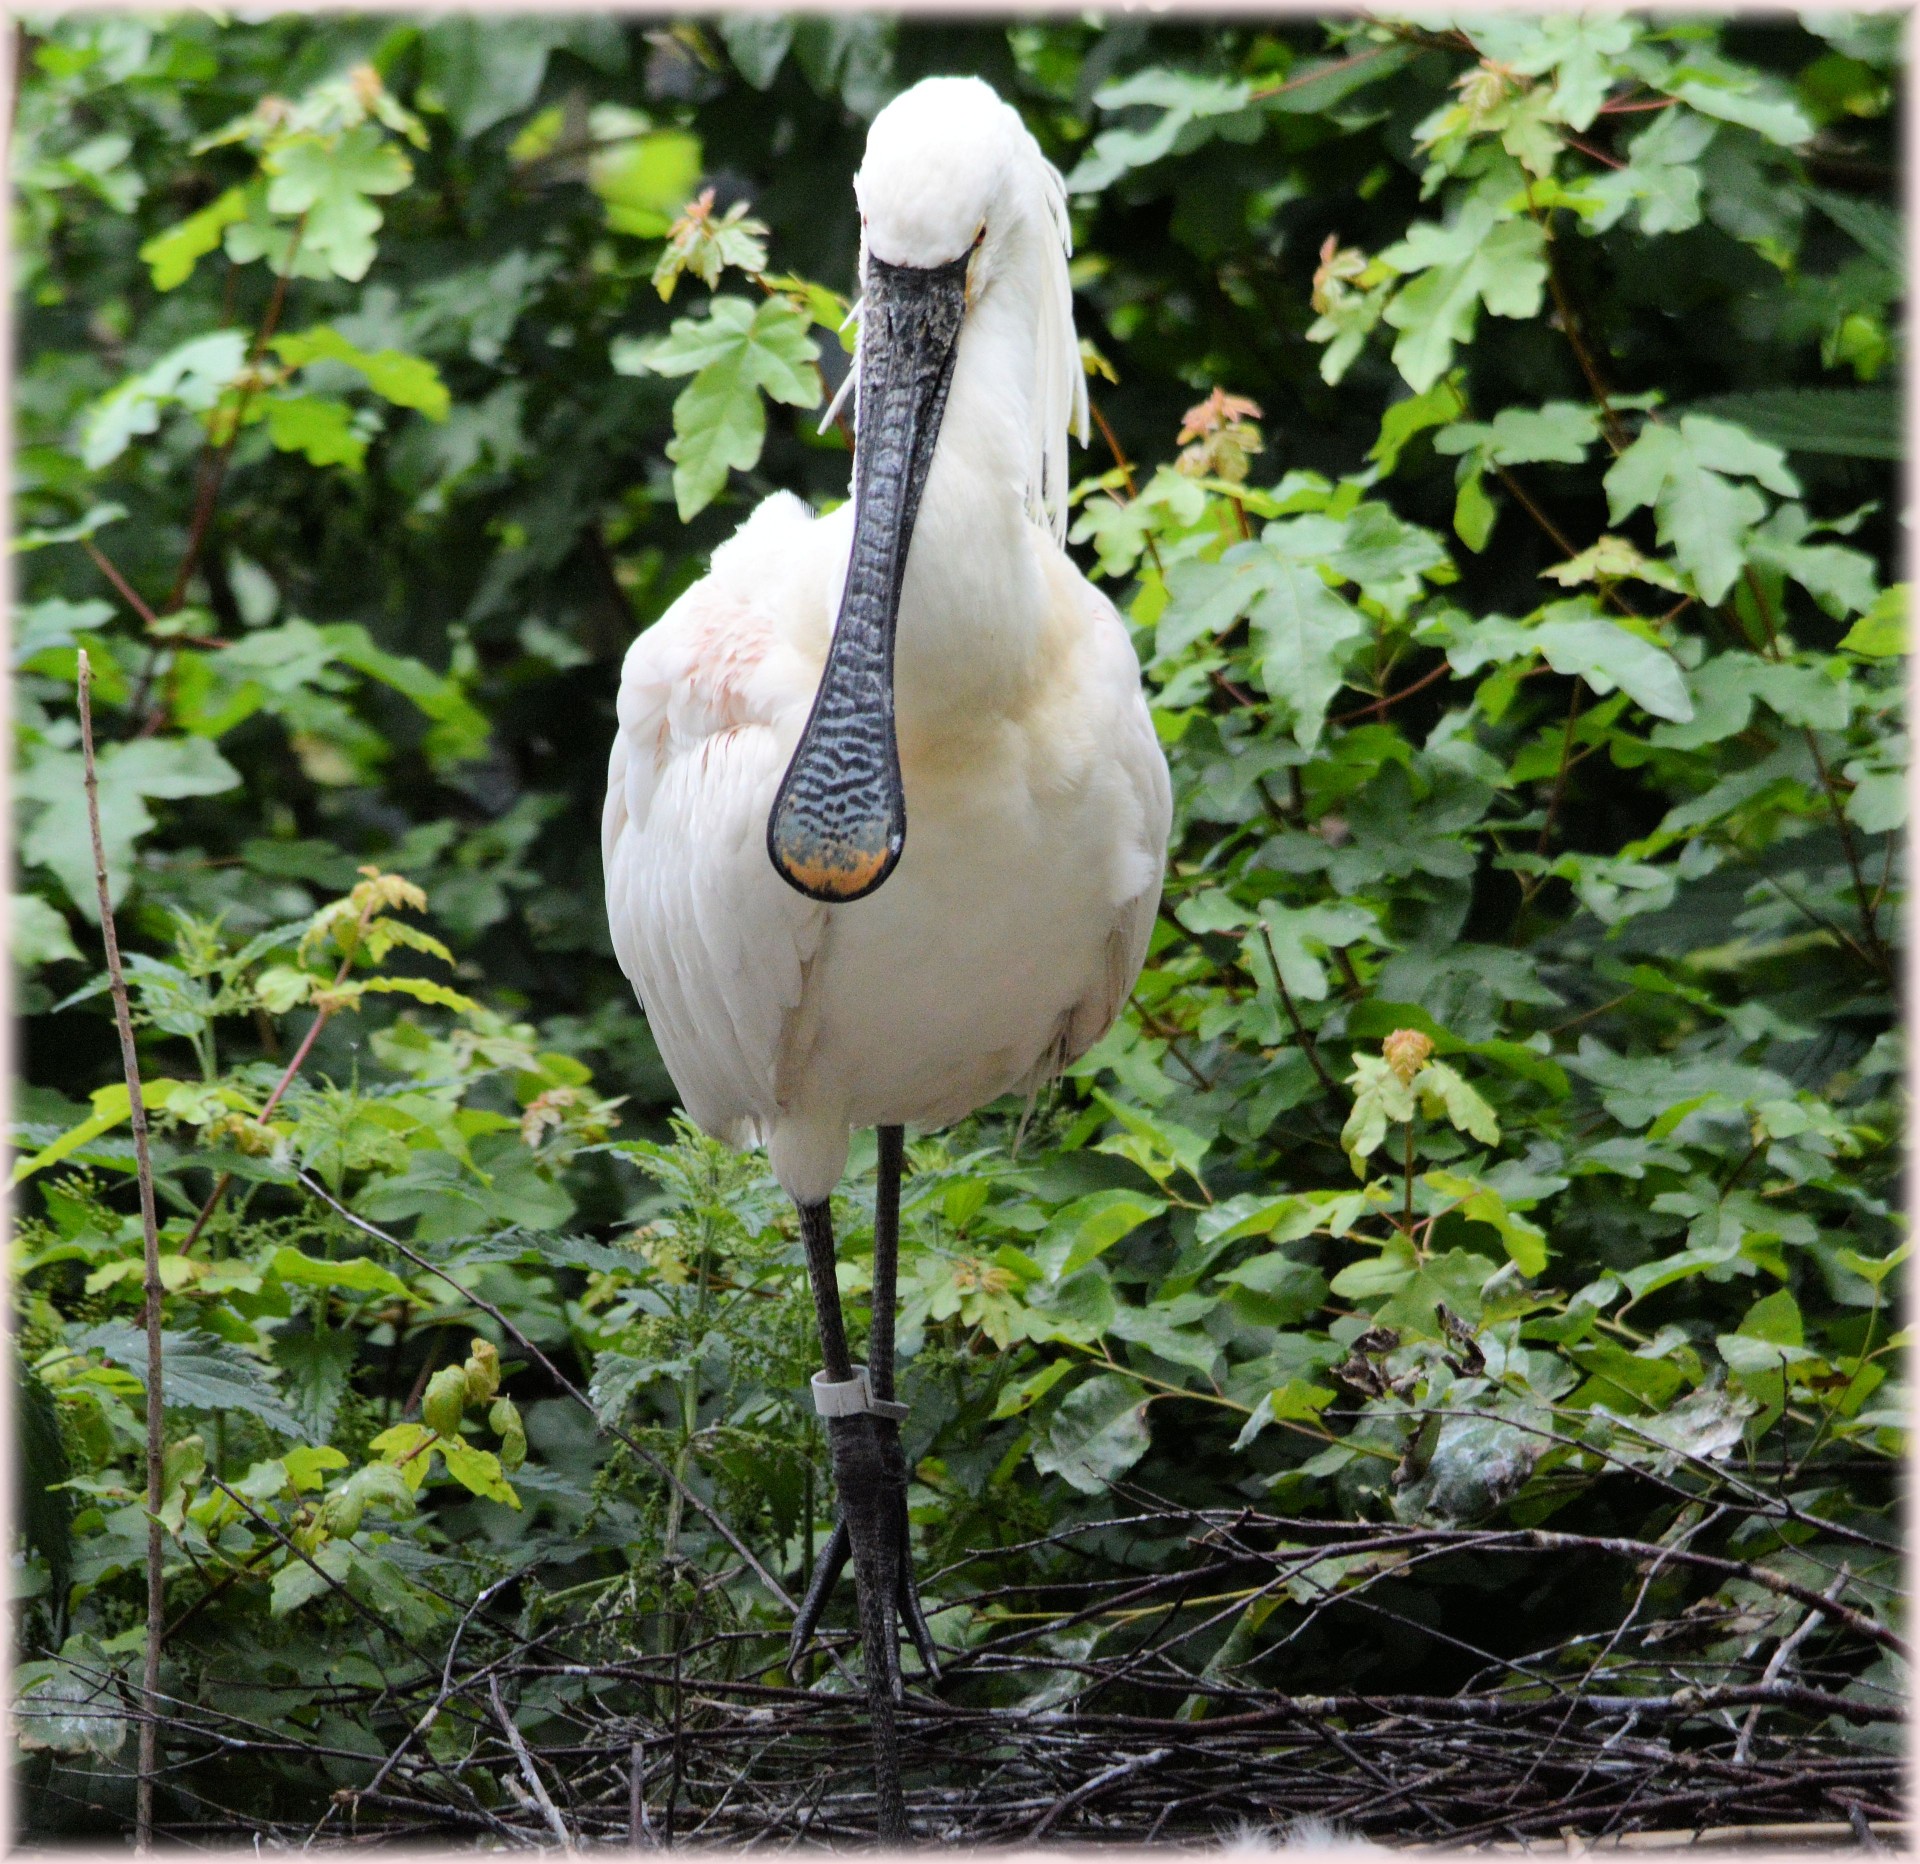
(1612, 559)
(758, 44)
(1302, 627)
(1473, 512)
(198, 1372)
(1875, 227)
(71, 1707)
(478, 1470)
(1881, 633)
(1879, 800)
(1158, 1146)
(735, 353)
(1296, 1402)
(646, 180)
(40, 934)
(1661, 179)
(297, 1582)
(1737, 94)
(1088, 1227)
(1561, 432)
(422, 990)
(39, 627)
(97, 518)
(1874, 1269)
(1025, 1393)
(393, 375)
(1097, 1435)
(1851, 423)
(320, 429)
(130, 776)
(328, 184)
(1283, 1219)
(1193, 109)
(1477, 259)
(1317, 86)
(1380, 1097)
(1477, 1464)
(111, 1105)
(483, 71)
(1381, 1274)
(193, 375)
(1582, 52)
(1444, 1095)
(172, 255)
(356, 1274)
(1686, 472)
(306, 1465)
(460, 729)
(1414, 414)
(1607, 655)
(1299, 937)
(1524, 1242)
(1776, 1318)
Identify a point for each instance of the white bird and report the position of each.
(886, 816)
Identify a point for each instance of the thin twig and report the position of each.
(287, 1075)
(1293, 1016)
(125, 590)
(1126, 472)
(1387, 701)
(517, 1742)
(1587, 149)
(1781, 1657)
(1560, 775)
(213, 469)
(150, 1234)
(1576, 339)
(1098, 1784)
(1877, 956)
(432, 1713)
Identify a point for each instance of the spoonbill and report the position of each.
(886, 816)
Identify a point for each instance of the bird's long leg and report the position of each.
(886, 1263)
(867, 1472)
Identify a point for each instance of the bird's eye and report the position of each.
(981, 235)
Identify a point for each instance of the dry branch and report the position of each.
(150, 1235)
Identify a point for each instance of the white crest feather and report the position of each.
(1060, 383)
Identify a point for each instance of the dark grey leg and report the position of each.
(886, 1266)
(868, 1472)
(834, 1556)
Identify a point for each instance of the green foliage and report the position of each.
(1504, 1126)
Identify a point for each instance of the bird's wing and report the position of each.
(1141, 858)
(712, 698)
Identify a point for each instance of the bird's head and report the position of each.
(957, 204)
(942, 179)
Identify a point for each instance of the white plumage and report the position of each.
(1037, 798)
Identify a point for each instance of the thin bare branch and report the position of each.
(150, 1236)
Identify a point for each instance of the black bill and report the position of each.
(840, 818)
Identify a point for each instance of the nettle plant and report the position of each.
(266, 1311)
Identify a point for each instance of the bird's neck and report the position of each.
(973, 607)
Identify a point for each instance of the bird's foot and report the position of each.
(870, 1473)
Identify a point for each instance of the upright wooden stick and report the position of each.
(156, 1422)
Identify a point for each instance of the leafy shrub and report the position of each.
(1505, 1126)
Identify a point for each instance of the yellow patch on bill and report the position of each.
(845, 879)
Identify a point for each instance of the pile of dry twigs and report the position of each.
(1113, 1704)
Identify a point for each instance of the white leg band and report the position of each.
(853, 1398)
